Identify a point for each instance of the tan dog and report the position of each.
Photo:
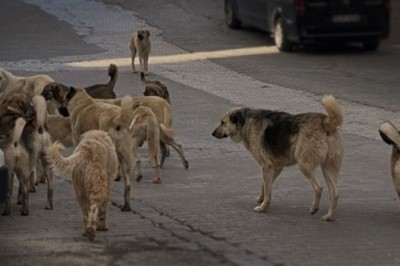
(16, 158)
(140, 44)
(93, 165)
(35, 83)
(155, 88)
(145, 127)
(163, 113)
(278, 139)
(391, 136)
(88, 114)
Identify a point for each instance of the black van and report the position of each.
(312, 21)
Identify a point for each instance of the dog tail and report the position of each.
(113, 73)
(335, 115)
(17, 130)
(39, 104)
(389, 134)
(59, 162)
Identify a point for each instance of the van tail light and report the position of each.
(300, 7)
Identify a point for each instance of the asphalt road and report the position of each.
(204, 215)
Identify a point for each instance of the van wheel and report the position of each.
(371, 45)
(280, 38)
(231, 18)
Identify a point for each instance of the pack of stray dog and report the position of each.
(39, 117)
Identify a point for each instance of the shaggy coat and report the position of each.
(92, 166)
(278, 139)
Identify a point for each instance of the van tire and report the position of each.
(280, 37)
(231, 18)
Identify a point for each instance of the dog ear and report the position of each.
(385, 138)
(238, 117)
(71, 93)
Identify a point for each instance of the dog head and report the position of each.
(231, 124)
(143, 34)
(56, 92)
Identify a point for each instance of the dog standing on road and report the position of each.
(140, 44)
(278, 139)
(93, 166)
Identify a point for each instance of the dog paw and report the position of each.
(48, 207)
(102, 228)
(186, 164)
(314, 210)
(118, 178)
(138, 178)
(126, 208)
(328, 218)
(260, 208)
(157, 180)
(32, 190)
(6, 213)
(260, 199)
(24, 213)
(90, 233)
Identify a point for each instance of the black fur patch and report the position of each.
(71, 93)
(239, 117)
(280, 128)
(385, 138)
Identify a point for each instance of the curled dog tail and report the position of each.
(56, 160)
(113, 73)
(17, 130)
(335, 115)
(39, 104)
(389, 134)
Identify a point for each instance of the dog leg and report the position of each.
(141, 63)
(90, 231)
(260, 198)
(164, 153)
(124, 152)
(157, 178)
(49, 177)
(331, 172)
(23, 177)
(133, 60)
(136, 158)
(102, 225)
(7, 203)
(171, 141)
(268, 173)
(32, 181)
(146, 64)
(309, 172)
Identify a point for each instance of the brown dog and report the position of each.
(278, 139)
(391, 136)
(93, 165)
(59, 128)
(140, 44)
(155, 88)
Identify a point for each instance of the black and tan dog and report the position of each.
(391, 136)
(278, 139)
(155, 88)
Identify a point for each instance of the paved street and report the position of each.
(204, 215)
